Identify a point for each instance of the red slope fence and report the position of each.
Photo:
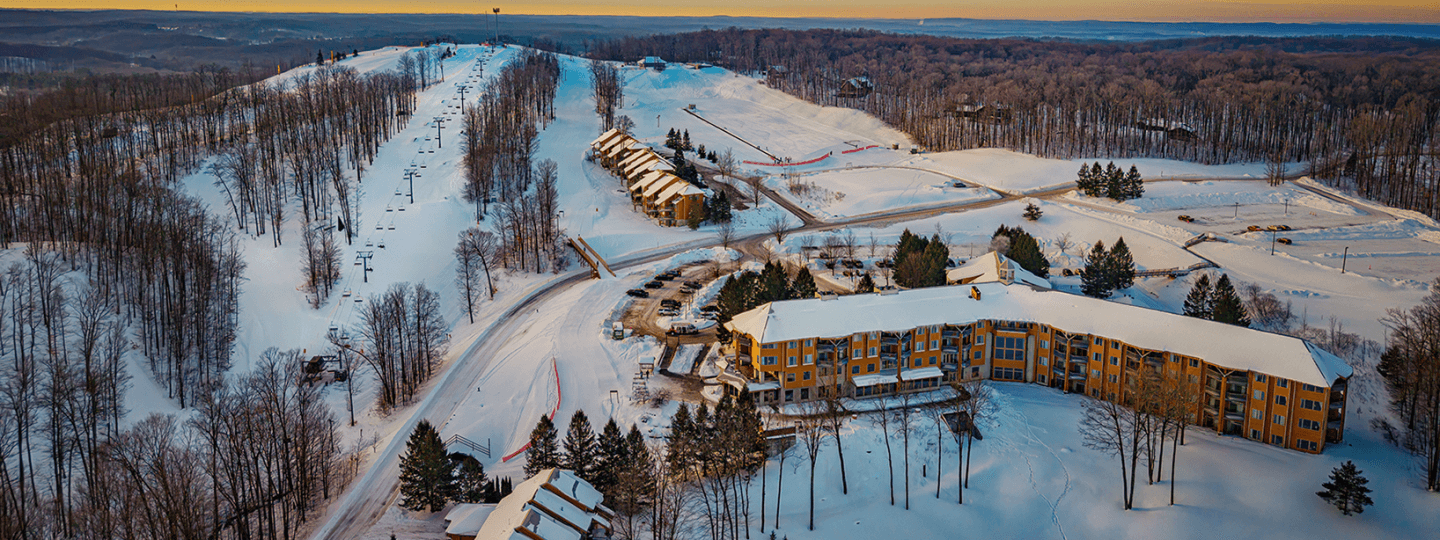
(852, 151)
(784, 164)
(558, 397)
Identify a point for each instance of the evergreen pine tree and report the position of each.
(581, 452)
(1084, 181)
(471, 486)
(774, 284)
(1346, 489)
(803, 286)
(1025, 251)
(1227, 305)
(427, 476)
(614, 454)
(700, 152)
(1134, 184)
(1095, 277)
(319, 57)
(1032, 212)
(936, 255)
(544, 451)
(1198, 303)
(865, 285)
(1122, 266)
(685, 141)
(1097, 181)
(1114, 182)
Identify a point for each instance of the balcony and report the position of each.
(889, 339)
(1234, 415)
(1337, 400)
(1213, 390)
(1333, 435)
(825, 347)
(1076, 375)
(1334, 416)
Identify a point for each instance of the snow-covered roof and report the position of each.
(676, 190)
(605, 138)
(1225, 345)
(637, 158)
(873, 379)
(543, 512)
(656, 187)
(922, 373)
(620, 146)
(649, 178)
(992, 267)
(465, 518)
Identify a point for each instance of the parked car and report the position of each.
(692, 284)
(664, 277)
(710, 315)
(681, 329)
(668, 312)
(670, 303)
(1186, 219)
(654, 285)
(638, 293)
(710, 309)
(673, 273)
(1285, 241)
(1282, 227)
(1253, 228)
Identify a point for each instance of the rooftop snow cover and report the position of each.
(465, 519)
(1218, 343)
(986, 269)
(522, 508)
(677, 189)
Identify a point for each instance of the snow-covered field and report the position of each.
(1032, 477)
(853, 192)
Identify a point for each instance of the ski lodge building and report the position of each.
(555, 504)
(653, 188)
(1268, 387)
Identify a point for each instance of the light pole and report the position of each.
(497, 26)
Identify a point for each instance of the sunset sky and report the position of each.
(1411, 11)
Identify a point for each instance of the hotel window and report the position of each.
(1044, 344)
(1306, 445)
(1260, 395)
(768, 346)
(1099, 341)
(1256, 414)
(1279, 400)
(807, 375)
(1009, 374)
(869, 368)
(919, 346)
(1282, 383)
(1044, 361)
(1280, 419)
(855, 369)
(1194, 363)
(809, 343)
(809, 359)
(767, 360)
(789, 377)
(1114, 360)
(1114, 378)
(1277, 440)
(1255, 434)
(1310, 404)
(791, 362)
(980, 339)
(1042, 379)
(872, 351)
(976, 355)
(1094, 373)
(934, 344)
(856, 353)
(1097, 357)
(1311, 425)
(1009, 348)
(794, 344)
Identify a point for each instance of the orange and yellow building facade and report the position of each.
(647, 176)
(1280, 390)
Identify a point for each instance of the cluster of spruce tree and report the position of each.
(1107, 271)
(920, 262)
(746, 290)
(1360, 110)
(618, 464)
(1217, 303)
(1022, 248)
(405, 336)
(254, 461)
(1112, 182)
(500, 137)
(430, 477)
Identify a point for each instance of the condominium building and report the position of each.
(648, 177)
(1265, 386)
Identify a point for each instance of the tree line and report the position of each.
(1360, 111)
(500, 136)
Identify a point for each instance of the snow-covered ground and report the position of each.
(1032, 477)
(853, 192)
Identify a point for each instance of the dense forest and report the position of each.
(1360, 112)
(119, 260)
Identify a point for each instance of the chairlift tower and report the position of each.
(364, 259)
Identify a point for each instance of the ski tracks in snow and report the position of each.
(1029, 433)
